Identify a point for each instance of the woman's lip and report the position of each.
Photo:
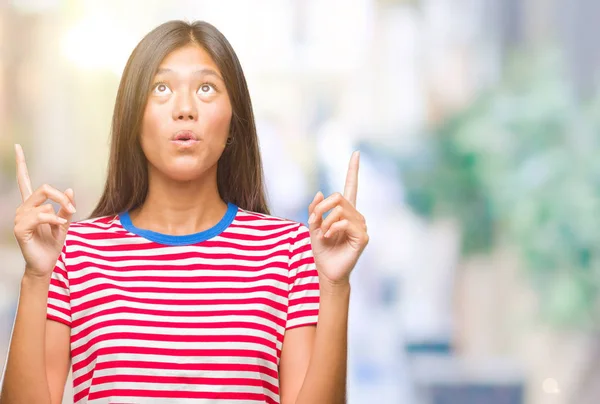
(187, 134)
(185, 143)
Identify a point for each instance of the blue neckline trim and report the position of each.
(187, 239)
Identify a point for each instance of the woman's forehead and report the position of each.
(188, 60)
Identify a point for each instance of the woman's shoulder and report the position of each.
(103, 221)
(96, 225)
(269, 221)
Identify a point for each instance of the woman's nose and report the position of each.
(185, 108)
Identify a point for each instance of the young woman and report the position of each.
(181, 287)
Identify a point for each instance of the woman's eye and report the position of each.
(206, 89)
(161, 89)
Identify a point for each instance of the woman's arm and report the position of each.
(39, 354)
(337, 242)
(313, 360)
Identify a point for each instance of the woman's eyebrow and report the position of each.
(201, 72)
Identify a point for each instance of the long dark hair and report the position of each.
(239, 170)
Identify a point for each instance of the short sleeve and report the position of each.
(59, 300)
(303, 298)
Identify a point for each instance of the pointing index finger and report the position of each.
(22, 173)
(351, 187)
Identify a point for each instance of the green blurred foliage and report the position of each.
(521, 166)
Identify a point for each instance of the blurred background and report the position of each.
(477, 122)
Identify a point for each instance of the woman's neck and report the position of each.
(180, 208)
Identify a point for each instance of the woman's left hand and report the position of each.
(340, 238)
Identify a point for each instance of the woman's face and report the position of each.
(187, 116)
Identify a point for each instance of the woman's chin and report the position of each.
(181, 173)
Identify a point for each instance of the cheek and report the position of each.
(152, 121)
(151, 128)
(217, 121)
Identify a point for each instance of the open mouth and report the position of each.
(185, 138)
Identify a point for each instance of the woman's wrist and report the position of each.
(337, 288)
(30, 279)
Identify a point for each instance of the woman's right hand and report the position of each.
(39, 230)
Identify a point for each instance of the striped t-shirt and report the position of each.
(199, 318)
